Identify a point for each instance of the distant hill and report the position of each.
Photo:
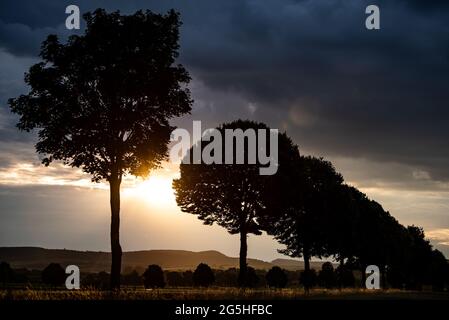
(92, 261)
(290, 264)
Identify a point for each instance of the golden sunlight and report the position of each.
(156, 190)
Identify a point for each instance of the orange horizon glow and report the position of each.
(155, 193)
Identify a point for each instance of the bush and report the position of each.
(308, 279)
(188, 278)
(252, 279)
(345, 277)
(203, 275)
(100, 280)
(175, 279)
(153, 277)
(6, 273)
(54, 275)
(132, 278)
(227, 278)
(276, 278)
(327, 276)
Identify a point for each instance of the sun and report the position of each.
(156, 190)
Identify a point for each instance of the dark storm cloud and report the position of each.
(12, 69)
(345, 91)
(375, 102)
(308, 66)
(380, 95)
(427, 5)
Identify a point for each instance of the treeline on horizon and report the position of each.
(154, 277)
(102, 101)
(54, 276)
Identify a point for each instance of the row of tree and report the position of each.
(203, 276)
(102, 101)
(309, 209)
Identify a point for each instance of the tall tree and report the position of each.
(419, 258)
(231, 195)
(376, 236)
(437, 271)
(301, 223)
(102, 101)
(340, 229)
(360, 230)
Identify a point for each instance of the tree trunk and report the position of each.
(307, 274)
(243, 253)
(363, 269)
(342, 265)
(116, 249)
(383, 277)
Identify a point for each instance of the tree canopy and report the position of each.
(53, 275)
(231, 195)
(102, 101)
(153, 277)
(203, 276)
(301, 222)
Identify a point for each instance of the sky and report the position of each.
(374, 102)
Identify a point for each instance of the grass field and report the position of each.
(217, 294)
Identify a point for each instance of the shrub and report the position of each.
(188, 278)
(153, 277)
(175, 279)
(100, 280)
(132, 278)
(345, 277)
(203, 275)
(276, 278)
(252, 279)
(327, 276)
(54, 275)
(308, 279)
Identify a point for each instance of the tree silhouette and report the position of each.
(103, 100)
(375, 236)
(327, 276)
(308, 278)
(227, 278)
(133, 278)
(98, 280)
(413, 263)
(419, 258)
(175, 279)
(302, 221)
(251, 278)
(437, 270)
(231, 195)
(276, 277)
(53, 275)
(6, 273)
(153, 277)
(203, 276)
(345, 276)
(187, 277)
(339, 232)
